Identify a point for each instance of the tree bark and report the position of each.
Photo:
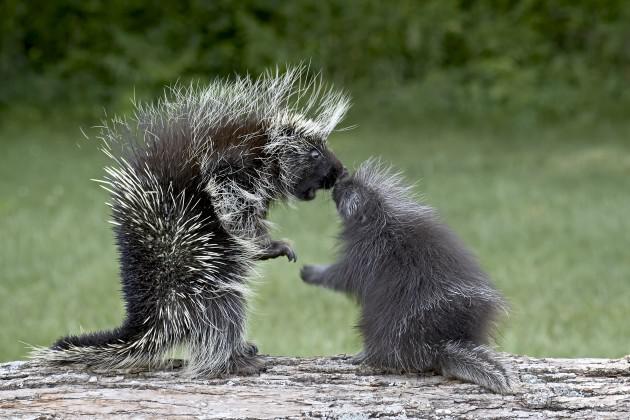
(316, 387)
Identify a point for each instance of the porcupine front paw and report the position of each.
(312, 274)
(277, 249)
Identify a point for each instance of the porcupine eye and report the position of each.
(315, 154)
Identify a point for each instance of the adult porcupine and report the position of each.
(192, 179)
(426, 303)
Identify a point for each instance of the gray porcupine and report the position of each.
(191, 182)
(425, 302)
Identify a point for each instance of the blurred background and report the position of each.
(510, 116)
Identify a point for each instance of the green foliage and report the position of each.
(556, 57)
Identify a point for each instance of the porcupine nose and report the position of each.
(335, 173)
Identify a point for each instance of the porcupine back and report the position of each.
(175, 255)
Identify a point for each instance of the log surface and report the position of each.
(316, 387)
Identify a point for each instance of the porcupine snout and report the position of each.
(337, 170)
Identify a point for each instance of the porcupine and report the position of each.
(425, 302)
(193, 176)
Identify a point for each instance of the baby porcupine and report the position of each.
(191, 180)
(426, 304)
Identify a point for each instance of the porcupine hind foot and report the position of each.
(217, 361)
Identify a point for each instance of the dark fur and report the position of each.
(426, 303)
(184, 269)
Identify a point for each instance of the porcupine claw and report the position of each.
(290, 253)
(277, 249)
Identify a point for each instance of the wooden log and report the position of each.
(316, 387)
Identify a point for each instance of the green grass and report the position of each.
(546, 210)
